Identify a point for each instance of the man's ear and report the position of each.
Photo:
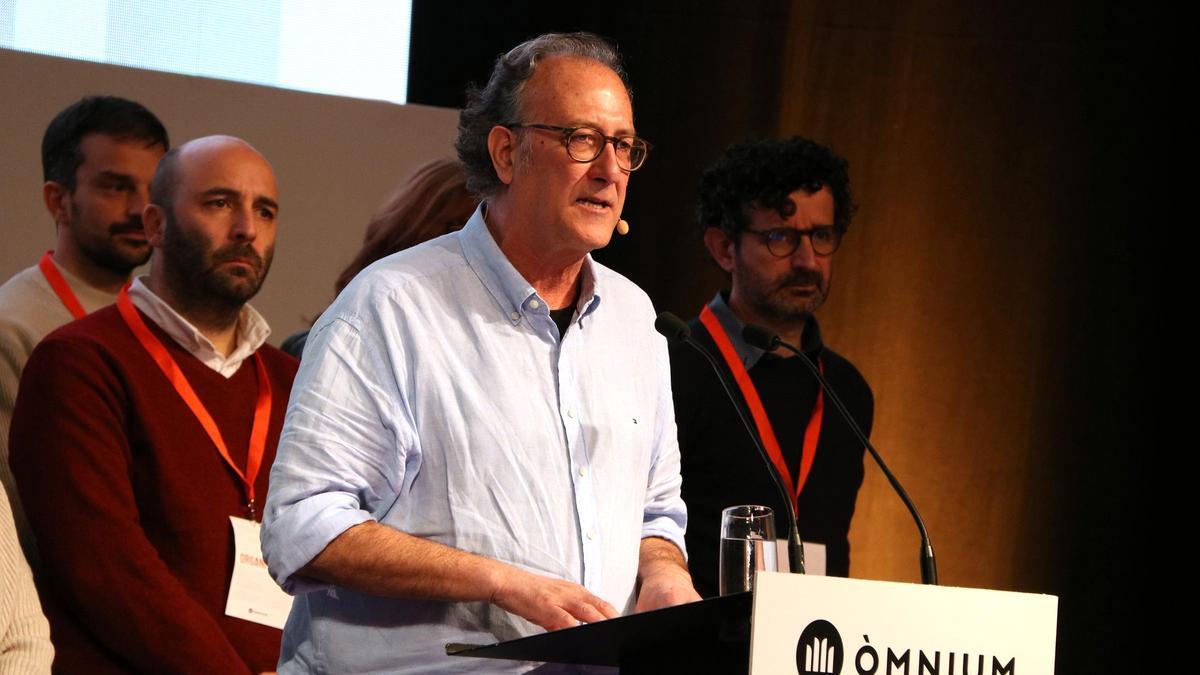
(720, 246)
(502, 147)
(57, 199)
(154, 219)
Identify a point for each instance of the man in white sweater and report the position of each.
(98, 156)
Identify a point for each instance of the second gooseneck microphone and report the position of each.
(766, 340)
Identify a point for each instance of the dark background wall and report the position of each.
(996, 288)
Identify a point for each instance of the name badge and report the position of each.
(814, 557)
(253, 594)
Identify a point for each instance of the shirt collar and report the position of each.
(515, 296)
(748, 353)
(252, 330)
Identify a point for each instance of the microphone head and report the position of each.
(672, 327)
(760, 337)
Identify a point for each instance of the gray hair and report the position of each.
(499, 102)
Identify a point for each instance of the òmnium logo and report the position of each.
(819, 650)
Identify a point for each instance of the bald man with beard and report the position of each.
(143, 430)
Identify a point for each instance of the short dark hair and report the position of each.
(762, 173)
(109, 115)
(499, 103)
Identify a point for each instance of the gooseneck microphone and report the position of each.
(766, 340)
(676, 331)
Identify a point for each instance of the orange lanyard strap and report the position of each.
(740, 375)
(166, 363)
(61, 288)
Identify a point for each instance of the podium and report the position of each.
(712, 634)
(808, 625)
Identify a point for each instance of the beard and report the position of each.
(200, 273)
(776, 301)
(110, 252)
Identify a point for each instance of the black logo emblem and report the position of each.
(819, 650)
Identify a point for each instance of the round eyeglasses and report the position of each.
(783, 241)
(584, 144)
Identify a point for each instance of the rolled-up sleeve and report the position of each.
(665, 514)
(344, 452)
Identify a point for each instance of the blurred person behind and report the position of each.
(433, 201)
(98, 155)
(773, 212)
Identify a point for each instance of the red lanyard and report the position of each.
(167, 364)
(61, 288)
(811, 434)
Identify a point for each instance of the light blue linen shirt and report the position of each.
(437, 397)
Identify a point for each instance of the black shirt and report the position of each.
(721, 467)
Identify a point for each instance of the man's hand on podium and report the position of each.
(663, 577)
(550, 603)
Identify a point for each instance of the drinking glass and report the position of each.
(747, 545)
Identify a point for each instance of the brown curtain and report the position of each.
(992, 289)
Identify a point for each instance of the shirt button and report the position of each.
(515, 316)
(591, 535)
(534, 304)
(571, 413)
(582, 471)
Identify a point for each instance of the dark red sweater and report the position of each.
(130, 501)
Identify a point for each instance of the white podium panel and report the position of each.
(808, 625)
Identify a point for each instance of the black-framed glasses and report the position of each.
(783, 241)
(584, 144)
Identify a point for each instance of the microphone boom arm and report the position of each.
(764, 339)
(675, 330)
